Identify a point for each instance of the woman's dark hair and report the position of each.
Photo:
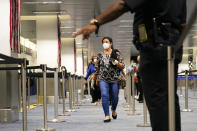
(110, 40)
(133, 58)
(114, 54)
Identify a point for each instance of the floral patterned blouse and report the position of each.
(106, 71)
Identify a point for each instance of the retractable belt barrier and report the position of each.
(63, 92)
(145, 124)
(56, 119)
(130, 88)
(23, 63)
(74, 83)
(186, 93)
(88, 83)
(75, 106)
(133, 113)
(171, 81)
(82, 90)
(79, 84)
(128, 93)
(70, 84)
(44, 69)
(22, 82)
(71, 93)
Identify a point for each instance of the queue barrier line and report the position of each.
(23, 63)
(171, 51)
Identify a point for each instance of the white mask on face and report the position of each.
(106, 46)
(95, 60)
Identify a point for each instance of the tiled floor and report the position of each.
(90, 118)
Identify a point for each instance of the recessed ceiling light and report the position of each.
(66, 32)
(63, 27)
(195, 37)
(43, 2)
(64, 17)
(125, 26)
(125, 31)
(50, 12)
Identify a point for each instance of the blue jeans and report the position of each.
(113, 89)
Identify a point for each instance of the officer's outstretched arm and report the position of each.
(114, 11)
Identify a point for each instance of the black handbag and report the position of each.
(122, 81)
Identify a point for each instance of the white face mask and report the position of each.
(106, 46)
(95, 60)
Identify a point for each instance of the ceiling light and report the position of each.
(63, 27)
(64, 17)
(130, 21)
(125, 31)
(195, 37)
(66, 32)
(125, 26)
(47, 12)
(44, 2)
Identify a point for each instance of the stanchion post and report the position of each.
(70, 92)
(28, 96)
(145, 124)
(74, 92)
(171, 89)
(63, 92)
(133, 98)
(82, 91)
(133, 94)
(194, 86)
(37, 90)
(74, 84)
(88, 83)
(77, 89)
(186, 93)
(70, 79)
(19, 93)
(23, 72)
(55, 120)
(129, 92)
(44, 69)
(180, 87)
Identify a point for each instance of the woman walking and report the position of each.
(108, 69)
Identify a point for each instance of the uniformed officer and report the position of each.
(157, 23)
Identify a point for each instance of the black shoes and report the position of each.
(107, 120)
(114, 117)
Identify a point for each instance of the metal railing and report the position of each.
(171, 56)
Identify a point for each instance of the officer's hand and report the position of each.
(86, 31)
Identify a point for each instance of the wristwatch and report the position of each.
(96, 23)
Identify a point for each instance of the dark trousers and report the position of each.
(96, 94)
(154, 74)
(139, 90)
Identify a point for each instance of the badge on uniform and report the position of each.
(142, 33)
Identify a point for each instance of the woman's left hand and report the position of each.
(115, 62)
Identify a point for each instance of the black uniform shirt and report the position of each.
(173, 11)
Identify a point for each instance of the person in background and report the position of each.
(95, 91)
(139, 82)
(132, 69)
